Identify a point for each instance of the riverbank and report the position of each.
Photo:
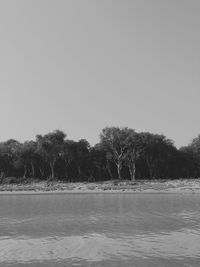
(143, 186)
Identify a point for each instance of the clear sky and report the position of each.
(81, 65)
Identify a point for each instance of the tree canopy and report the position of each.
(121, 153)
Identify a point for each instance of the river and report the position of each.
(100, 230)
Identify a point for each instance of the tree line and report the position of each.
(122, 153)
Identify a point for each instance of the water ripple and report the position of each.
(98, 247)
(100, 230)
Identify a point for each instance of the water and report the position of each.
(100, 230)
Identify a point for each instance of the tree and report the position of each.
(189, 162)
(67, 154)
(26, 157)
(134, 152)
(116, 142)
(156, 149)
(195, 145)
(80, 156)
(192, 153)
(8, 155)
(98, 164)
(50, 145)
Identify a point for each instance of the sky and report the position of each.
(80, 66)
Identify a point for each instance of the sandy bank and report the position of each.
(142, 186)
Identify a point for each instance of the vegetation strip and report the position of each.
(122, 153)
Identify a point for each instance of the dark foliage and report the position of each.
(122, 153)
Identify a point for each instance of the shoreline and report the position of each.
(181, 186)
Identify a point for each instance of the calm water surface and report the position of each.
(100, 230)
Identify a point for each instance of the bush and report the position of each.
(14, 180)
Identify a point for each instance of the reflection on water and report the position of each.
(100, 230)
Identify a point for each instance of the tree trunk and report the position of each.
(79, 173)
(2, 176)
(67, 163)
(32, 169)
(66, 174)
(52, 164)
(6, 172)
(25, 171)
(132, 170)
(119, 167)
(41, 172)
(109, 170)
(152, 168)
